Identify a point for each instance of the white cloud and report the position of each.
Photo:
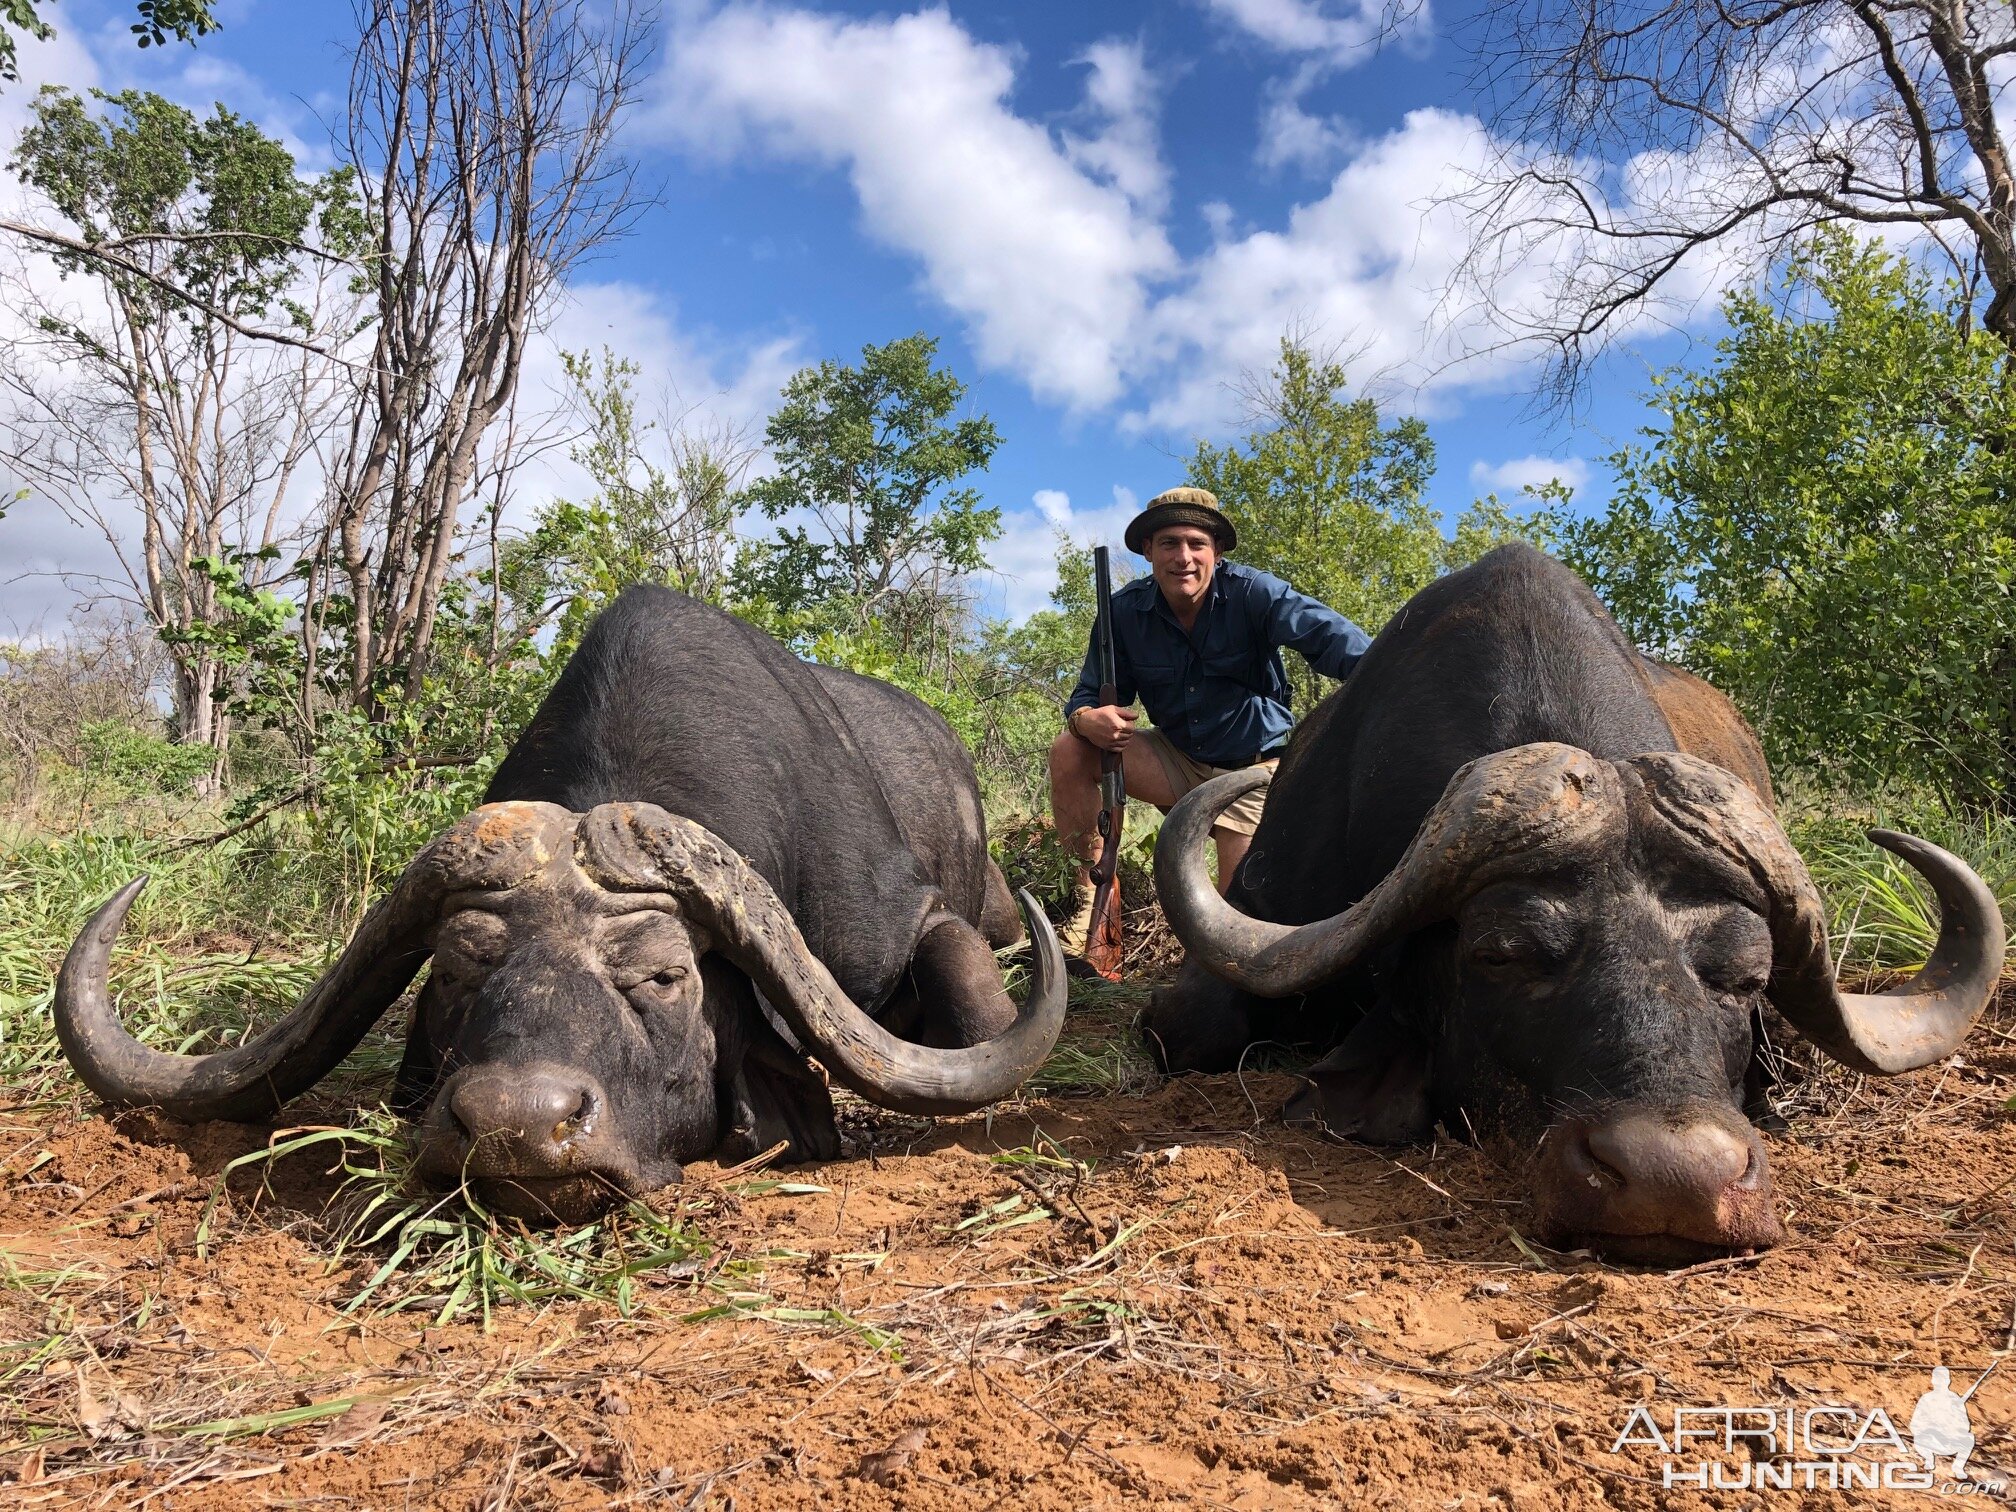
(1290, 137)
(1049, 265)
(1366, 266)
(1025, 558)
(1050, 245)
(1127, 149)
(1054, 505)
(1510, 477)
(1343, 35)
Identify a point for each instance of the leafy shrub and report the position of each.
(134, 760)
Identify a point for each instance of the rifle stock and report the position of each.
(1102, 942)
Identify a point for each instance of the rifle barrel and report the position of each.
(1108, 676)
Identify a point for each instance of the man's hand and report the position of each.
(1107, 726)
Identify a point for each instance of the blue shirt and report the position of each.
(1219, 693)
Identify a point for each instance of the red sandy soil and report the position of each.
(1219, 1312)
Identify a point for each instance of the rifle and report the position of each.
(1102, 940)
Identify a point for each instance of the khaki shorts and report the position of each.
(1185, 772)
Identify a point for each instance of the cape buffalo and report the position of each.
(1534, 880)
(694, 817)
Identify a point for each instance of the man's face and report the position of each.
(1182, 558)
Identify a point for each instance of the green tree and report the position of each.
(1325, 495)
(1824, 524)
(662, 511)
(159, 20)
(870, 458)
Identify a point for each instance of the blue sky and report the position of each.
(1106, 212)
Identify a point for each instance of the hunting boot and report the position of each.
(1075, 932)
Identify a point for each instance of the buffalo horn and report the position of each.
(751, 926)
(1912, 1024)
(1511, 807)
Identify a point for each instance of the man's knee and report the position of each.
(1071, 759)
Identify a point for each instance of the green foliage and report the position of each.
(133, 760)
(1327, 497)
(158, 20)
(213, 207)
(649, 521)
(249, 631)
(1824, 526)
(866, 452)
(1487, 524)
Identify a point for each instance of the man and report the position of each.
(1199, 640)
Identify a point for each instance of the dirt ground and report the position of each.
(1160, 1297)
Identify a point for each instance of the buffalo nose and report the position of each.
(533, 1111)
(1645, 1173)
(1644, 1152)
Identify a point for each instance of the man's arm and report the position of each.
(1331, 642)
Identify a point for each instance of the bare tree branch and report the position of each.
(110, 256)
(483, 133)
(1648, 151)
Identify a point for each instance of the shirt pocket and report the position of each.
(1235, 667)
(1158, 678)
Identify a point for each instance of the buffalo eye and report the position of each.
(1732, 956)
(1498, 951)
(659, 983)
(1737, 981)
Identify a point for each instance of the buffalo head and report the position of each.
(1572, 955)
(587, 1009)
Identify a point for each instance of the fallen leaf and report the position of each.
(881, 1468)
(356, 1424)
(102, 1417)
(31, 1467)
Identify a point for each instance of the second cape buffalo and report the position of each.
(1529, 882)
(694, 825)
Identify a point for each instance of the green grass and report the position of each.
(1096, 1068)
(415, 1249)
(223, 940)
(1882, 917)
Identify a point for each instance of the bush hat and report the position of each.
(1180, 506)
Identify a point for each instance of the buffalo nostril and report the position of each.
(578, 1121)
(1587, 1164)
(1678, 1173)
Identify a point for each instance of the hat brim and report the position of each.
(1141, 529)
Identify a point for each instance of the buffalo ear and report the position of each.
(776, 1095)
(1373, 1087)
